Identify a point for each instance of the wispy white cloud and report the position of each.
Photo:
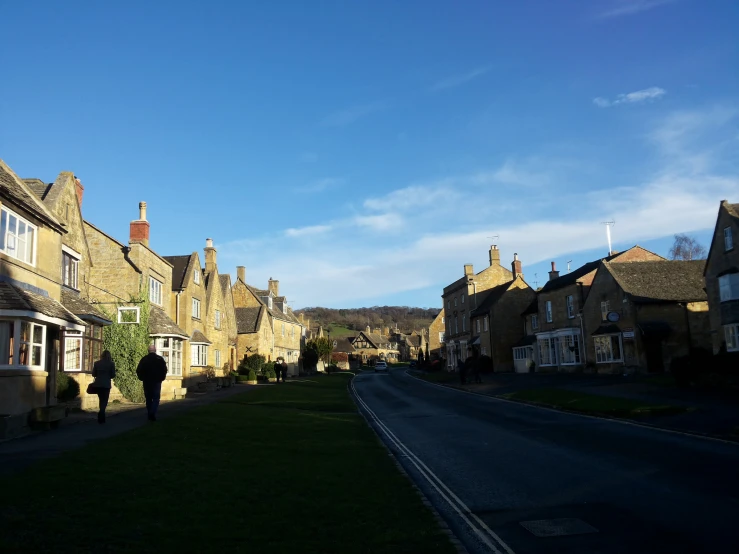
(458, 80)
(352, 114)
(321, 185)
(623, 8)
(645, 95)
(380, 222)
(307, 231)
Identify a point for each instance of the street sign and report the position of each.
(613, 317)
(628, 333)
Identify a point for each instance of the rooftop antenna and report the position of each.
(536, 281)
(568, 265)
(608, 225)
(494, 237)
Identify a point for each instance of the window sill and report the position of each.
(611, 362)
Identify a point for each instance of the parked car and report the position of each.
(412, 364)
(380, 366)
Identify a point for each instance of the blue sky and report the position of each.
(362, 152)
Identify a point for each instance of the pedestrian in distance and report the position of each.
(152, 370)
(284, 371)
(104, 372)
(278, 368)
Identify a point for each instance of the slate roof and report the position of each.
(662, 281)
(161, 324)
(572, 277)
(414, 340)
(38, 187)
(12, 187)
(733, 210)
(494, 294)
(179, 270)
(17, 298)
(247, 319)
(528, 340)
(225, 282)
(82, 309)
(198, 336)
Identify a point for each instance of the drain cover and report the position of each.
(558, 527)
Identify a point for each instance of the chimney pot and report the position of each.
(210, 256)
(142, 211)
(554, 274)
(516, 268)
(209, 243)
(139, 228)
(468, 269)
(554, 268)
(241, 273)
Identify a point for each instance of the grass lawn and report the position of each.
(593, 403)
(286, 468)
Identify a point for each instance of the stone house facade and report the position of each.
(370, 347)
(721, 276)
(461, 297)
(230, 318)
(436, 336)
(216, 325)
(494, 332)
(640, 315)
(64, 198)
(560, 330)
(255, 333)
(121, 273)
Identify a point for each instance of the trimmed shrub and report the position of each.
(252, 363)
(268, 367)
(66, 387)
(251, 375)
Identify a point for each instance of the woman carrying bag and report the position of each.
(103, 371)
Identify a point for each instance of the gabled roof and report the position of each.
(82, 309)
(180, 265)
(20, 299)
(662, 281)
(414, 340)
(13, 188)
(494, 294)
(247, 319)
(38, 187)
(161, 324)
(343, 344)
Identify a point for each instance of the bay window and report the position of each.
(93, 346)
(569, 349)
(73, 351)
(607, 349)
(22, 343)
(170, 348)
(547, 351)
(199, 355)
(17, 237)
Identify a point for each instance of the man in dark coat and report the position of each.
(152, 370)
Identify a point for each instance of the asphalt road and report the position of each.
(488, 465)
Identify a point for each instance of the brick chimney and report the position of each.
(241, 273)
(554, 273)
(494, 255)
(140, 227)
(274, 286)
(210, 256)
(468, 269)
(367, 329)
(79, 189)
(516, 267)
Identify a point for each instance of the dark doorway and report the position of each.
(655, 360)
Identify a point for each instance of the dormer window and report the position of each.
(196, 276)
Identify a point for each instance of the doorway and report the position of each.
(655, 358)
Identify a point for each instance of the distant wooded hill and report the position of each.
(407, 319)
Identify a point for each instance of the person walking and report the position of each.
(283, 367)
(152, 370)
(104, 372)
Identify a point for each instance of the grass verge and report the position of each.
(593, 403)
(439, 377)
(288, 468)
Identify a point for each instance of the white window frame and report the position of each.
(198, 354)
(485, 324)
(74, 265)
(548, 308)
(196, 276)
(135, 309)
(605, 308)
(455, 302)
(604, 351)
(73, 337)
(566, 357)
(441, 336)
(155, 291)
(31, 343)
(172, 354)
(27, 257)
(463, 299)
(570, 300)
(464, 323)
(218, 359)
(548, 346)
(728, 287)
(218, 319)
(728, 239)
(484, 350)
(477, 326)
(731, 334)
(535, 321)
(196, 308)
(442, 320)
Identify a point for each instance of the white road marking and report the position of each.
(483, 532)
(614, 420)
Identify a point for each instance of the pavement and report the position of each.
(713, 412)
(596, 486)
(82, 428)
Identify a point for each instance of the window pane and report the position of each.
(38, 334)
(6, 340)
(23, 354)
(36, 356)
(29, 239)
(72, 354)
(25, 331)
(3, 228)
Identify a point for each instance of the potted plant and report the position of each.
(251, 377)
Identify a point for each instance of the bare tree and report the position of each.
(687, 248)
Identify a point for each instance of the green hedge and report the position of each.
(66, 387)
